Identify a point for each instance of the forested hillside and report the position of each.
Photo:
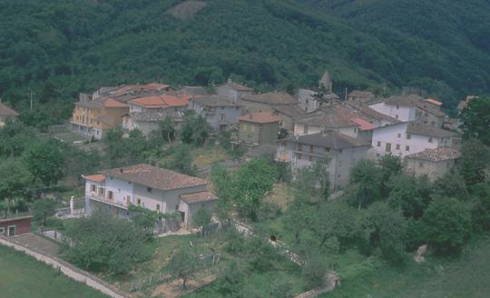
(56, 48)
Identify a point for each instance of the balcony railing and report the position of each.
(102, 199)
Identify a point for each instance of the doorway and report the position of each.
(11, 231)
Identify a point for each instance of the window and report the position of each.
(408, 136)
(158, 207)
(300, 147)
(397, 107)
(397, 146)
(92, 188)
(388, 147)
(355, 129)
(138, 201)
(310, 158)
(407, 148)
(421, 164)
(311, 148)
(379, 144)
(430, 139)
(149, 189)
(110, 195)
(305, 129)
(300, 156)
(399, 135)
(327, 150)
(2, 231)
(396, 116)
(222, 117)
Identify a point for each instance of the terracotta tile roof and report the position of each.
(426, 130)
(95, 178)
(154, 177)
(112, 103)
(437, 154)
(161, 101)
(6, 111)
(260, 117)
(198, 197)
(271, 98)
(331, 140)
(363, 124)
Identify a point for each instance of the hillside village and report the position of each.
(284, 172)
(298, 129)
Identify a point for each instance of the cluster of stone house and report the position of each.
(300, 128)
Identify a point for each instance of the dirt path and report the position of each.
(174, 288)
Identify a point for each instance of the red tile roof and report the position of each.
(198, 197)
(112, 103)
(95, 178)
(162, 101)
(363, 124)
(260, 117)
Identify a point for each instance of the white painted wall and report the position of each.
(401, 113)
(397, 135)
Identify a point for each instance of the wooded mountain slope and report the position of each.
(57, 48)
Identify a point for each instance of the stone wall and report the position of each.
(68, 270)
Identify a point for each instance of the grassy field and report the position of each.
(23, 277)
(467, 276)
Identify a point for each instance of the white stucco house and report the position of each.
(150, 187)
(412, 108)
(405, 138)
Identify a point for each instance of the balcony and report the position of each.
(113, 202)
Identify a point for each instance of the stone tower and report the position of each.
(325, 82)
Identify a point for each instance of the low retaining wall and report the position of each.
(68, 270)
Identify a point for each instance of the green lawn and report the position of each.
(22, 276)
(466, 276)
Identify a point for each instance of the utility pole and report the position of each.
(30, 96)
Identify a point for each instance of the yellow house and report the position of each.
(92, 118)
